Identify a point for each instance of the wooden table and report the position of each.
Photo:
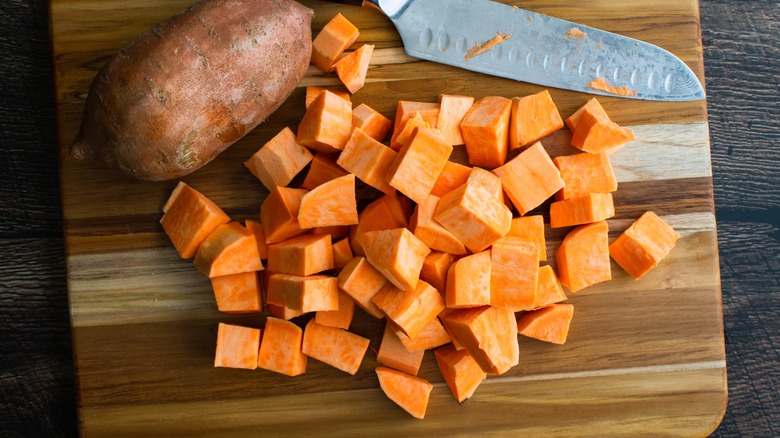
(740, 49)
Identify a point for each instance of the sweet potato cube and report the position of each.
(283, 312)
(279, 214)
(585, 173)
(645, 243)
(334, 346)
(596, 134)
(418, 164)
(530, 178)
(237, 347)
(452, 176)
(256, 228)
(368, 159)
(585, 209)
(461, 372)
(279, 160)
(301, 255)
(323, 168)
(591, 105)
(327, 123)
(468, 281)
(340, 318)
(533, 117)
(371, 121)
(334, 38)
(397, 254)
(229, 249)
(353, 67)
(411, 310)
(472, 215)
(530, 228)
(406, 110)
(430, 232)
(409, 392)
(432, 336)
(383, 213)
(330, 204)
(414, 122)
(452, 108)
(491, 182)
(434, 270)
(361, 282)
(548, 288)
(342, 254)
(335, 231)
(485, 129)
(514, 274)
(238, 293)
(188, 218)
(583, 257)
(312, 93)
(304, 294)
(280, 349)
(489, 335)
(394, 354)
(443, 318)
(549, 324)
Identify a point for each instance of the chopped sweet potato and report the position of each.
(585, 173)
(304, 294)
(596, 134)
(279, 160)
(468, 281)
(645, 243)
(591, 105)
(514, 274)
(430, 232)
(237, 347)
(434, 270)
(530, 228)
(327, 123)
(280, 349)
(405, 110)
(485, 129)
(334, 38)
(353, 67)
(549, 324)
(238, 293)
(229, 249)
(409, 392)
(414, 122)
(452, 176)
(394, 354)
(548, 288)
(418, 164)
(585, 209)
(583, 257)
(189, 217)
(361, 281)
(530, 178)
(323, 168)
(397, 254)
(452, 108)
(432, 336)
(342, 254)
(301, 255)
(489, 335)
(256, 228)
(533, 118)
(411, 310)
(461, 372)
(371, 121)
(334, 346)
(368, 159)
(330, 204)
(472, 215)
(312, 93)
(279, 214)
(341, 318)
(384, 213)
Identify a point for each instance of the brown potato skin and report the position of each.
(183, 91)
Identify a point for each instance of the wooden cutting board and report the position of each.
(643, 357)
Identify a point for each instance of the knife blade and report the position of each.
(539, 49)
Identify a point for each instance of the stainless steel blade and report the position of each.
(540, 49)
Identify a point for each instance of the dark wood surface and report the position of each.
(37, 388)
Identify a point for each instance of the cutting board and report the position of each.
(643, 357)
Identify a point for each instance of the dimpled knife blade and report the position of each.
(539, 49)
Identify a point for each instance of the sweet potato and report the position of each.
(409, 392)
(334, 346)
(361, 281)
(549, 324)
(237, 347)
(394, 354)
(583, 257)
(279, 160)
(411, 310)
(280, 348)
(648, 240)
(433, 335)
(185, 90)
(189, 217)
(461, 372)
(490, 336)
(530, 178)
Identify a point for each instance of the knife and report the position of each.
(510, 42)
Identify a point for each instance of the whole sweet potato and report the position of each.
(186, 89)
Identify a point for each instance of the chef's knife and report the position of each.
(539, 49)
